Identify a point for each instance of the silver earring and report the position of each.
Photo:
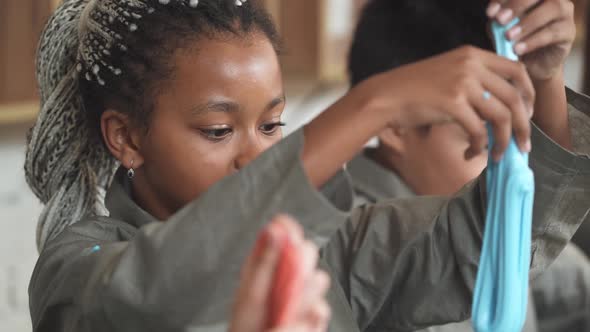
(131, 171)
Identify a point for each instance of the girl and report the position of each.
(185, 96)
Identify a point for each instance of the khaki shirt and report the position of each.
(561, 294)
(399, 265)
(373, 183)
(580, 126)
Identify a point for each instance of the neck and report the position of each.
(148, 199)
(384, 156)
(390, 159)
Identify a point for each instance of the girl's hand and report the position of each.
(466, 85)
(543, 37)
(250, 312)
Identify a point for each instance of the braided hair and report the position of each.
(94, 54)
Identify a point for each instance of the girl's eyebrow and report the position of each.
(215, 106)
(226, 106)
(276, 102)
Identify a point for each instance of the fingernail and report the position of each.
(520, 48)
(505, 16)
(276, 236)
(514, 32)
(528, 146)
(493, 9)
(496, 154)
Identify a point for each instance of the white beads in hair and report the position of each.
(98, 38)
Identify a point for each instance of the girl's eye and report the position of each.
(216, 134)
(271, 128)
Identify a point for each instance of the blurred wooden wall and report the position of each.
(311, 53)
(21, 22)
(312, 50)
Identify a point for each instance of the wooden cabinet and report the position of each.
(316, 35)
(21, 22)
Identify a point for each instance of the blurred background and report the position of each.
(316, 33)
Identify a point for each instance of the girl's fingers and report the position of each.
(513, 118)
(315, 289)
(292, 228)
(258, 281)
(319, 317)
(519, 114)
(500, 122)
(493, 8)
(503, 119)
(555, 33)
(295, 328)
(506, 10)
(258, 276)
(548, 12)
(514, 72)
(468, 118)
(269, 236)
(322, 282)
(313, 311)
(309, 255)
(486, 103)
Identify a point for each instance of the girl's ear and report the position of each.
(121, 138)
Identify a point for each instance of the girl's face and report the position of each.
(220, 110)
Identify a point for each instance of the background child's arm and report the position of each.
(551, 112)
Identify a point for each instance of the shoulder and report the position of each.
(81, 240)
(94, 229)
(67, 263)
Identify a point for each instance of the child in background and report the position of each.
(429, 160)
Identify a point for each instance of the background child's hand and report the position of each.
(257, 279)
(543, 37)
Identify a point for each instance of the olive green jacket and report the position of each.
(399, 265)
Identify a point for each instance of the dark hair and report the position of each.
(145, 63)
(392, 33)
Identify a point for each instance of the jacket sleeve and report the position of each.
(562, 293)
(169, 275)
